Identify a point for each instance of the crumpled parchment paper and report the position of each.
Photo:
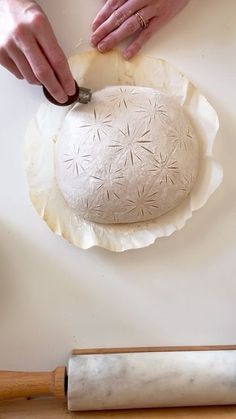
(96, 71)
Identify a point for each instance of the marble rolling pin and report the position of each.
(133, 378)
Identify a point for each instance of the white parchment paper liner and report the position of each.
(97, 71)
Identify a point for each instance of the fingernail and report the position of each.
(127, 55)
(71, 90)
(94, 40)
(101, 47)
(94, 25)
(63, 99)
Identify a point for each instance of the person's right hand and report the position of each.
(29, 49)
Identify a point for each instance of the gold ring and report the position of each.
(142, 22)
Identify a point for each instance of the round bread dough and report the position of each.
(130, 155)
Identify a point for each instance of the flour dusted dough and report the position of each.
(130, 155)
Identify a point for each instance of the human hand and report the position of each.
(29, 49)
(119, 19)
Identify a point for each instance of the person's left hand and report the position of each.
(118, 19)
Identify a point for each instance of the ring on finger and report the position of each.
(141, 20)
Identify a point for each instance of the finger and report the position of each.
(106, 11)
(22, 64)
(155, 24)
(41, 68)
(48, 42)
(118, 17)
(6, 62)
(128, 28)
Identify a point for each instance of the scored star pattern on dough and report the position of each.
(181, 138)
(153, 110)
(187, 183)
(107, 182)
(132, 144)
(165, 168)
(123, 98)
(143, 203)
(98, 126)
(76, 160)
(134, 156)
(88, 207)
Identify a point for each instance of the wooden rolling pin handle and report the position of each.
(15, 385)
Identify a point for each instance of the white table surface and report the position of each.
(181, 290)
